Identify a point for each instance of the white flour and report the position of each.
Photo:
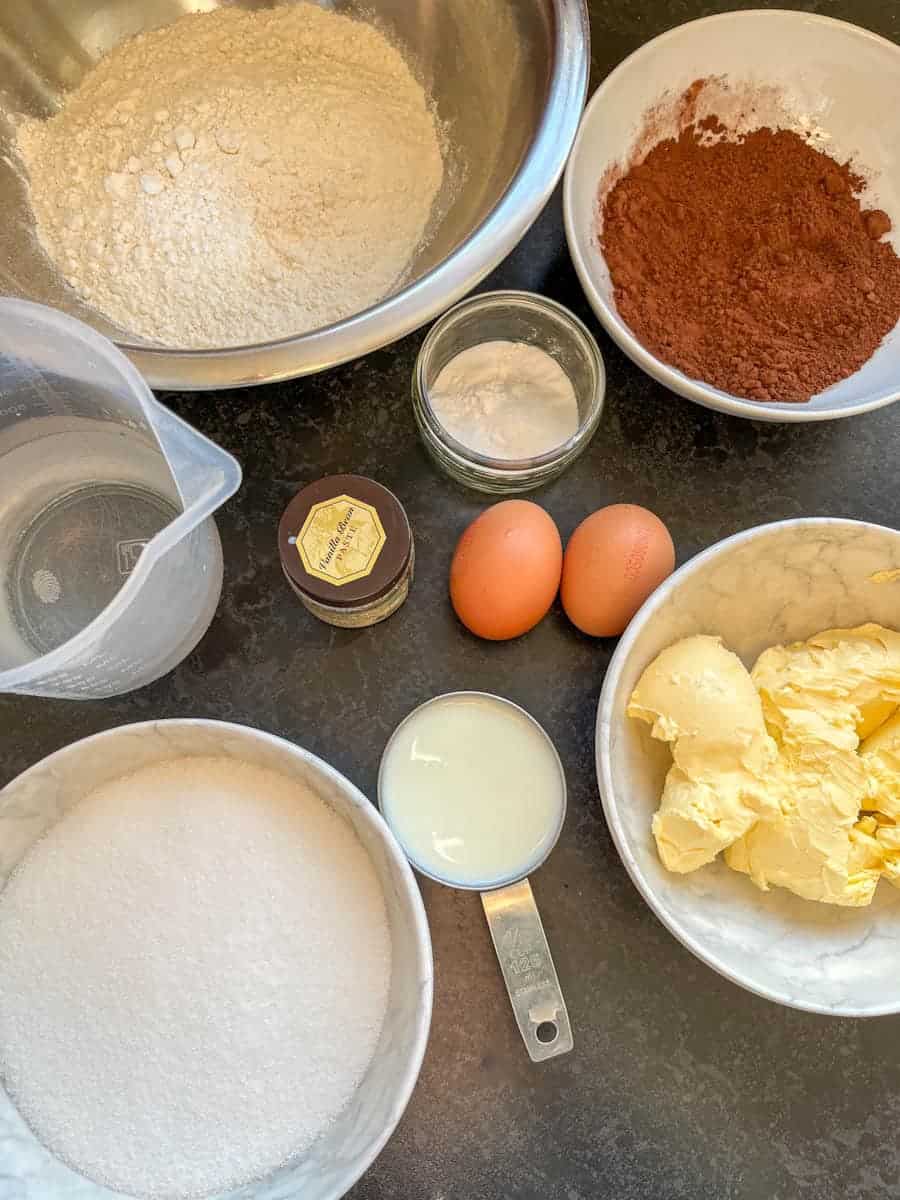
(505, 400)
(237, 176)
(194, 967)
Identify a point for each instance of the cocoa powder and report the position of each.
(750, 264)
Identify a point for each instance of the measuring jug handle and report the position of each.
(528, 970)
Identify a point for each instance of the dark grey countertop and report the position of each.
(681, 1085)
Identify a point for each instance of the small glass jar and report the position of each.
(510, 316)
(346, 549)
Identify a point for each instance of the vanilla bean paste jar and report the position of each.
(346, 548)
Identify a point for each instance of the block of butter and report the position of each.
(793, 769)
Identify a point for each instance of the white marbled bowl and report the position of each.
(771, 584)
(41, 795)
(822, 78)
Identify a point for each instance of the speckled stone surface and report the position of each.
(681, 1086)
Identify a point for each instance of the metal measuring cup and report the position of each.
(511, 912)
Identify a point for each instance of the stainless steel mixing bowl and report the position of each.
(508, 77)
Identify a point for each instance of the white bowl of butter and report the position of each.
(771, 586)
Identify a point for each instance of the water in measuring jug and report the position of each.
(73, 532)
(110, 563)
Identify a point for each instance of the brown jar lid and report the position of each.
(344, 541)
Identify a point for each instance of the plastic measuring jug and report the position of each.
(110, 562)
(473, 789)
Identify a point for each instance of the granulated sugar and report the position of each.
(194, 968)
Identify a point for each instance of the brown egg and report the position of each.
(614, 560)
(506, 569)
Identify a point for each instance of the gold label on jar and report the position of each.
(340, 540)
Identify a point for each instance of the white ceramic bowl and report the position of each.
(832, 76)
(772, 584)
(41, 795)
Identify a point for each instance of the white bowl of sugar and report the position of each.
(215, 970)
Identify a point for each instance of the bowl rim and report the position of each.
(497, 234)
(605, 715)
(670, 377)
(372, 817)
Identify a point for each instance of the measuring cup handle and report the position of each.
(528, 970)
